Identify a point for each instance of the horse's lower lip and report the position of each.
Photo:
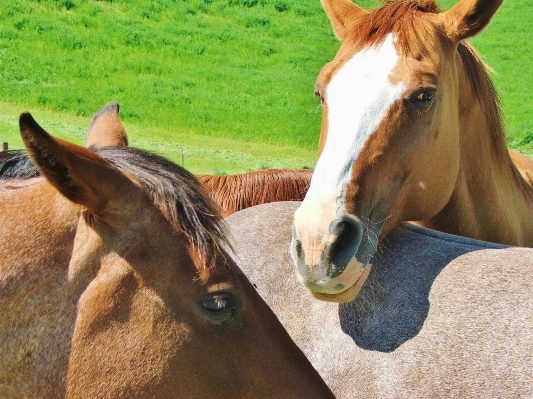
(349, 293)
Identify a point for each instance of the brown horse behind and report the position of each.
(231, 192)
(236, 192)
(114, 283)
(411, 131)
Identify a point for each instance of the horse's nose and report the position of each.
(346, 233)
(321, 261)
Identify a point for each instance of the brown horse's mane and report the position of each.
(410, 21)
(485, 92)
(174, 191)
(404, 18)
(240, 191)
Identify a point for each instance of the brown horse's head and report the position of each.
(115, 283)
(389, 146)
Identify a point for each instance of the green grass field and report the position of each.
(227, 82)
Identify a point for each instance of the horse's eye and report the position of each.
(423, 98)
(219, 307)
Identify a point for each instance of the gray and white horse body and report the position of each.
(439, 315)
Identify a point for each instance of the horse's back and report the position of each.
(237, 192)
(439, 316)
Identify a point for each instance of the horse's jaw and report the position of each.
(348, 294)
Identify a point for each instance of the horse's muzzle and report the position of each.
(326, 263)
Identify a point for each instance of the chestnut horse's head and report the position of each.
(389, 146)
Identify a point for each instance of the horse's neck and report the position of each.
(491, 201)
(37, 230)
(37, 226)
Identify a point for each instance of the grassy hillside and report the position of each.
(507, 46)
(240, 69)
(228, 81)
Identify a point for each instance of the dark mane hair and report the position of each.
(173, 190)
(15, 164)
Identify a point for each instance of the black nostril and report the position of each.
(299, 249)
(296, 246)
(337, 227)
(338, 254)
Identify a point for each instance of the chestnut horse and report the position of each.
(236, 192)
(439, 316)
(232, 192)
(114, 283)
(411, 130)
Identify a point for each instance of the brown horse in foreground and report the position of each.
(114, 284)
(233, 192)
(411, 130)
(439, 316)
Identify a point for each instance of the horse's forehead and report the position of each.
(360, 76)
(414, 52)
(362, 65)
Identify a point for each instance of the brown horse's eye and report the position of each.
(219, 308)
(422, 99)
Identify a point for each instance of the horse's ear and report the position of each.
(468, 17)
(78, 173)
(105, 129)
(342, 13)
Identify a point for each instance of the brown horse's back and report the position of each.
(439, 315)
(236, 192)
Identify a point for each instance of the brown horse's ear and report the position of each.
(105, 129)
(468, 17)
(342, 14)
(78, 173)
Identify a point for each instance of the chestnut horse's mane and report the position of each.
(408, 21)
(486, 93)
(404, 18)
(173, 190)
(236, 192)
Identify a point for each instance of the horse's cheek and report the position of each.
(103, 348)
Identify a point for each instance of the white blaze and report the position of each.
(358, 98)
